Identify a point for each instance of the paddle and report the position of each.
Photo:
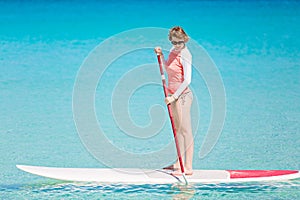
(160, 62)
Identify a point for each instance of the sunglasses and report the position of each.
(175, 43)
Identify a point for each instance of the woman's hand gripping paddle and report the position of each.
(160, 62)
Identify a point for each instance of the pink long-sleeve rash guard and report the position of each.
(179, 70)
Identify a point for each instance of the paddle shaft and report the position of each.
(160, 62)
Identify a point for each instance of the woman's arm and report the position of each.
(186, 61)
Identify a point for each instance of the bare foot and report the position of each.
(179, 173)
(171, 167)
(188, 172)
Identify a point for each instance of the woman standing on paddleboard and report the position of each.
(179, 70)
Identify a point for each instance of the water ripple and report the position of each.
(152, 191)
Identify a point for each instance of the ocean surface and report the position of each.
(47, 101)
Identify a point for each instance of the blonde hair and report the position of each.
(178, 32)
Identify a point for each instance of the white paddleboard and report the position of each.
(147, 176)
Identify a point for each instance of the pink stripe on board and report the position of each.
(259, 173)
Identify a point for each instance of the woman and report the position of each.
(179, 70)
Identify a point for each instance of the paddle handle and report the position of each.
(163, 78)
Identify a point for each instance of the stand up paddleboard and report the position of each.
(144, 176)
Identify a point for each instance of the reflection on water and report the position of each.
(184, 191)
(58, 190)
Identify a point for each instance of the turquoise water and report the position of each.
(254, 44)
